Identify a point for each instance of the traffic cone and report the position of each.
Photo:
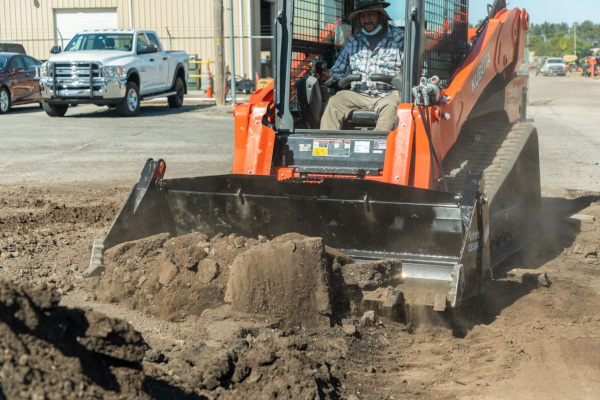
(209, 85)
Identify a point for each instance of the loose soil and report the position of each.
(193, 317)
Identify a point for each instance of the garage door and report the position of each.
(69, 22)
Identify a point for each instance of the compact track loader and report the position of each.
(450, 192)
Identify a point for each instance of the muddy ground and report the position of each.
(172, 317)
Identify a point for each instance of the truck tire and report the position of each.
(55, 110)
(176, 101)
(130, 106)
(4, 100)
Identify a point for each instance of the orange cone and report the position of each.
(209, 90)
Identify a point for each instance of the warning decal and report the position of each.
(331, 148)
(362, 146)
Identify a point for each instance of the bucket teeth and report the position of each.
(95, 260)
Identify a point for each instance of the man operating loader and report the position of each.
(376, 49)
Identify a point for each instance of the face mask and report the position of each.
(374, 32)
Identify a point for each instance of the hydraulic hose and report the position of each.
(427, 125)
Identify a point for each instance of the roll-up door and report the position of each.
(69, 22)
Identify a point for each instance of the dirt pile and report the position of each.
(170, 278)
(288, 280)
(269, 363)
(52, 352)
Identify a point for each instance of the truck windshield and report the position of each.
(100, 41)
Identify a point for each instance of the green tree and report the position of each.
(588, 32)
(557, 40)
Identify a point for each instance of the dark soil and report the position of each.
(195, 317)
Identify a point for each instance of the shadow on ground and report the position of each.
(558, 232)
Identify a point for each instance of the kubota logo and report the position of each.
(485, 64)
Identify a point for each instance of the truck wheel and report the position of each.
(176, 101)
(4, 100)
(130, 105)
(55, 110)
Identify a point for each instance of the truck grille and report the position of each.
(77, 69)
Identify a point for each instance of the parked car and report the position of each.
(18, 82)
(554, 66)
(116, 68)
(242, 85)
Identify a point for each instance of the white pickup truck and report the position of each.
(117, 68)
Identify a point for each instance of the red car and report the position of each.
(18, 83)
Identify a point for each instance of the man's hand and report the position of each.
(324, 75)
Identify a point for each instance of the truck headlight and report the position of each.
(114, 72)
(44, 70)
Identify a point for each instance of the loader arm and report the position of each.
(498, 50)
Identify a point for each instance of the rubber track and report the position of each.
(491, 148)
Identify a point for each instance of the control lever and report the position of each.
(395, 81)
(347, 80)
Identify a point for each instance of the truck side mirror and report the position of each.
(55, 50)
(148, 49)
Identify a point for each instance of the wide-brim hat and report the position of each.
(370, 6)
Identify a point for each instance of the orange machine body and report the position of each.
(408, 159)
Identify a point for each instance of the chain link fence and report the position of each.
(6, 47)
(253, 62)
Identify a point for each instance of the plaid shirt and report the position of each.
(357, 58)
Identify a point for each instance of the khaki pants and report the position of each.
(339, 107)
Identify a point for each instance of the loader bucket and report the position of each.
(425, 229)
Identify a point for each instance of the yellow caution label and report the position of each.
(319, 151)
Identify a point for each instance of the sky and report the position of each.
(540, 11)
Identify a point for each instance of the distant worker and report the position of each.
(376, 49)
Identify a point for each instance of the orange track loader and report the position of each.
(451, 191)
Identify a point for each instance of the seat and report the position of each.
(98, 44)
(361, 119)
(109, 43)
(312, 106)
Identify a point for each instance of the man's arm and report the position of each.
(341, 66)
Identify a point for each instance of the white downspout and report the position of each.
(130, 15)
(251, 58)
(241, 31)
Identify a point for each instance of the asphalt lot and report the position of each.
(93, 144)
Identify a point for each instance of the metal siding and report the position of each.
(190, 22)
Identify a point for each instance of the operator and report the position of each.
(376, 49)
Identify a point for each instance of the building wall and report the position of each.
(181, 25)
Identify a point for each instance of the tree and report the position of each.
(588, 32)
(557, 40)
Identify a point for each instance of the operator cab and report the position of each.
(311, 93)
(305, 44)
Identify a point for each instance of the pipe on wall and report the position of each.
(250, 50)
(130, 14)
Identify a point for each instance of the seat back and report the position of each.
(98, 44)
(310, 100)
